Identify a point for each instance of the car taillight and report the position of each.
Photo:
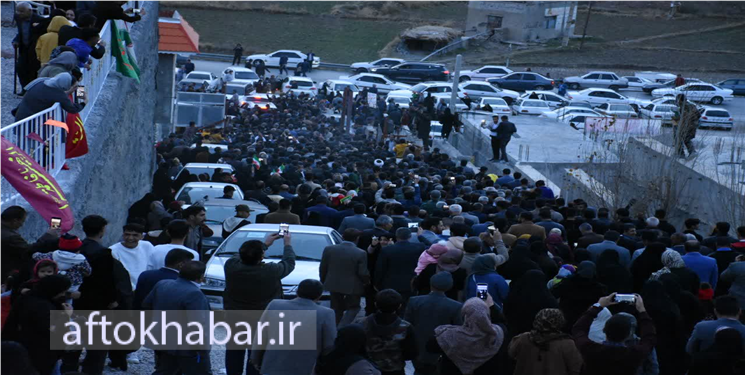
(288, 86)
(312, 88)
(704, 117)
(657, 116)
(505, 110)
(730, 119)
(524, 110)
(570, 97)
(552, 83)
(446, 72)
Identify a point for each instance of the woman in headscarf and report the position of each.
(348, 357)
(430, 256)
(64, 63)
(724, 357)
(471, 348)
(141, 208)
(546, 350)
(650, 366)
(578, 292)
(612, 274)
(29, 321)
(519, 263)
(649, 262)
(671, 336)
(540, 255)
(556, 246)
(691, 309)
(528, 295)
(484, 272)
(676, 269)
(42, 93)
(449, 262)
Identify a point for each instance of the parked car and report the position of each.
(522, 81)
(414, 72)
(617, 110)
(579, 103)
(718, 118)
(364, 67)
(308, 242)
(655, 76)
(598, 96)
(217, 211)
(578, 119)
(637, 82)
(209, 168)
(382, 83)
(529, 107)
(554, 100)
(477, 90)
(243, 75)
(651, 86)
(559, 112)
(662, 112)
(484, 72)
(335, 86)
(737, 85)
(608, 80)
(298, 85)
(698, 92)
(238, 88)
(272, 59)
(192, 192)
(402, 100)
(199, 78)
(498, 105)
(636, 102)
(258, 99)
(439, 90)
(435, 129)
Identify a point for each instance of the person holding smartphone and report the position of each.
(15, 246)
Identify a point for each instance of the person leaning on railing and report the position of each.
(43, 93)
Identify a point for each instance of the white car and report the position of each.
(637, 82)
(209, 168)
(529, 107)
(556, 113)
(198, 78)
(655, 76)
(242, 75)
(364, 67)
(662, 112)
(335, 86)
(498, 105)
(258, 99)
(298, 85)
(439, 90)
(484, 72)
(477, 90)
(402, 101)
(617, 110)
(597, 96)
(716, 118)
(308, 242)
(554, 100)
(192, 192)
(578, 119)
(607, 80)
(698, 92)
(293, 58)
(382, 83)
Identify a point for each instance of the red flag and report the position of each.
(35, 185)
(35, 137)
(77, 142)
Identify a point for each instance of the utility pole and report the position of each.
(587, 22)
(456, 78)
(568, 11)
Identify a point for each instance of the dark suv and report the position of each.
(414, 72)
(522, 81)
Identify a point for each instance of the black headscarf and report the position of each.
(650, 261)
(349, 348)
(142, 207)
(612, 274)
(527, 296)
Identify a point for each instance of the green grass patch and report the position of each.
(730, 40)
(618, 28)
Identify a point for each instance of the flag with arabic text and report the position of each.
(76, 143)
(35, 185)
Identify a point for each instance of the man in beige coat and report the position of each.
(527, 226)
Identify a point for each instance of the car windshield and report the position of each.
(200, 76)
(210, 171)
(534, 103)
(664, 108)
(303, 83)
(581, 104)
(418, 88)
(342, 86)
(400, 99)
(621, 107)
(495, 101)
(717, 113)
(306, 245)
(246, 75)
(191, 194)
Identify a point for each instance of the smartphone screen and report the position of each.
(413, 225)
(283, 229)
(55, 223)
(481, 290)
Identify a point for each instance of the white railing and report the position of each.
(50, 154)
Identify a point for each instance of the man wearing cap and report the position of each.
(227, 193)
(231, 224)
(428, 312)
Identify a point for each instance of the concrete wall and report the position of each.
(166, 86)
(522, 21)
(118, 169)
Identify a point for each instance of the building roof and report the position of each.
(176, 35)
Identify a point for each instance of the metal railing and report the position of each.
(94, 79)
(50, 154)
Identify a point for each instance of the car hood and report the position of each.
(304, 269)
(464, 72)
(639, 102)
(406, 93)
(403, 86)
(253, 57)
(363, 64)
(572, 78)
(663, 92)
(510, 93)
(573, 94)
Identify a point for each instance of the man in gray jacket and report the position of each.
(344, 273)
(251, 284)
(359, 221)
(293, 362)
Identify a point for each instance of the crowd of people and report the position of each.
(457, 269)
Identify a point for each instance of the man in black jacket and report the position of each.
(395, 266)
(30, 27)
(16, 252)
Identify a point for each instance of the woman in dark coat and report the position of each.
(528, 295)
(646, 264)
(578, 292)
(29, 321)
(519, 263)
(141, 208)
(348, 357)
(612, 274)
(540, 255)
(691, 309)
(671, 338)
(448, 121)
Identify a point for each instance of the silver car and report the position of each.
(308, 242)
(607, 80)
